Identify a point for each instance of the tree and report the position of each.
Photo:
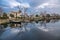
(5, 15)
(37, 15)
(11, 15)
(47, 15)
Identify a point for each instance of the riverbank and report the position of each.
(4, 21)
(27, 19)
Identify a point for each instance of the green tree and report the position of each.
(37, 15)
(48, 15)
(11, 15)
(5, 16)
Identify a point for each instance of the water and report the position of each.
(39, 30)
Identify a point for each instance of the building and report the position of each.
(16, 14)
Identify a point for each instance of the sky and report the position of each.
(31, 6)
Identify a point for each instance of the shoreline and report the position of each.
(2, 21)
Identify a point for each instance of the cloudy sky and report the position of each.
(31, 5)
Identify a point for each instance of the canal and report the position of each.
(39, 30)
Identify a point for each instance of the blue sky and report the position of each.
(33, 6)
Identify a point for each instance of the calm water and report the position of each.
(40, 30)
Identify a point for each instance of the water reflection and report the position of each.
(15, 25)
(53, 21)
(36, 30)
(2, 26)
(43, 23)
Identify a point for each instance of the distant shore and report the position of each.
(27, 19)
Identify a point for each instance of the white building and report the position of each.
(16, 14)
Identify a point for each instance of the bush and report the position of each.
(4, 16)
(11, 15)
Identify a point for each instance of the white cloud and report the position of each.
(11, 3)
(42, 5)
(26, 5)
(14, 3)
(49, 4)
(35, 5)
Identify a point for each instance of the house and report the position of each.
(16, 14)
